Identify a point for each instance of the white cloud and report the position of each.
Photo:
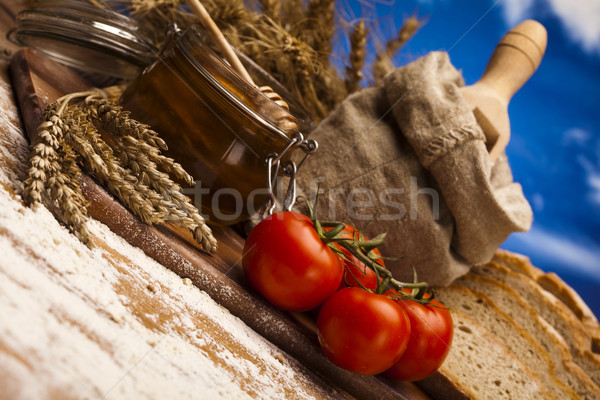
(594, 182)
(537, 202)
(580, 18)
(583, 139)
(592, 178)
(561, 249)
(576, 136)
(516, 10)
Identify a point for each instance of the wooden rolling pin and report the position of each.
(515, 58)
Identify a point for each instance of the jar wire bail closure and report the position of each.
(289, 169)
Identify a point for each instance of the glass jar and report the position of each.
(218, 126)
(97, 41)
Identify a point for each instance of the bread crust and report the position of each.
(480, 307)
(554, 312)
(511, 302)
(480, 366)
(552, 283)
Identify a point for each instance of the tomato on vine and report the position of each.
(430, 339)
(362, 331)
(288, 263)
(356, 273)
(297, 264)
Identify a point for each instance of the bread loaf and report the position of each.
(555, 312)
(480, 366)
(510, 302)
(478, 306)
(555, 285)
(532, 316)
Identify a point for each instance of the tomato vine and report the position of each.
(365, 325)
(362, 249)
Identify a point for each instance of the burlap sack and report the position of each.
(409, 159)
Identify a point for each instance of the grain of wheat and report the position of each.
(130, 169)
(271, 9)
(357, 55)
(383, 61)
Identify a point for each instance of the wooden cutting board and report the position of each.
(38, 81)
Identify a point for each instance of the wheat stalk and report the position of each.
(133, 169)
(383, 62)
(357, 55)
(320, 27)
(140, 147)
(53, 175)
(99, 159)
(271, 9)
(291, 39)
(68, 194)
(43, 157)
(118, 123)
(292, 13)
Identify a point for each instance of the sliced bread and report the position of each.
(559, 288)
(555, 312)
(479, 366)
(479, 307)
(553, 284)
(511, 302)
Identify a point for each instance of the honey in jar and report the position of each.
(218, 126)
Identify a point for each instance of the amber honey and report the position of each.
(219, 127)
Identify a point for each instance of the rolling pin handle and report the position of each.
(515, 58)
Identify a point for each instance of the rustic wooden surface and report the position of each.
(114, 322)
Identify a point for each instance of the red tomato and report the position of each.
(286, 261)
(356, 273)
(361, 331)
(429, 343)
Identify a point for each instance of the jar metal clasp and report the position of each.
(288, 168)
(172, 32)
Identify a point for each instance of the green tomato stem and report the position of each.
(360, 249)
(384, 276)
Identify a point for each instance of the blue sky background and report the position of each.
(555, 118)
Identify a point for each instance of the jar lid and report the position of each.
(85, 37)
